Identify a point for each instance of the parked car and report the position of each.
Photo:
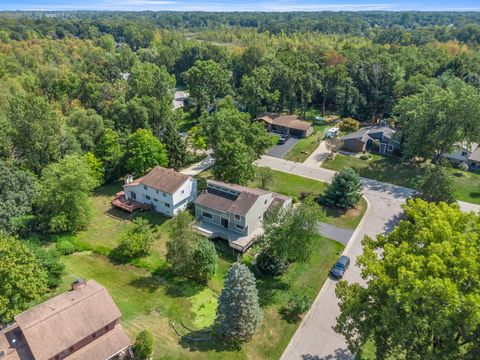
(340, 267)
(283, 139)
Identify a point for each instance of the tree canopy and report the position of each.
(422, 287)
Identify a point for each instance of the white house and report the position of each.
(165, 190)
(468, 153)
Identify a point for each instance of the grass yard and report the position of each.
(150, 297)
(154, 300)
(293, 186)
(302, 149)
(392, 170)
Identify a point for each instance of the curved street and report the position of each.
(315, 338)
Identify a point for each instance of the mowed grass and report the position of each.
(392, 170)
(304, 148)
(294, 186)
(151, 297)
(155, 300)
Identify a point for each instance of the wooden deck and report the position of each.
(120, 201)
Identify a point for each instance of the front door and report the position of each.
(225, 223)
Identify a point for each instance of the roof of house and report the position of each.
(364, 133)
(61, 322)
(238, 204)
(162, 179)
(475, 155)
(289, 121)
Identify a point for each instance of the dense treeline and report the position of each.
(136, 28)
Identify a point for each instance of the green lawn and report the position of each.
(392, 170)
(153, 300)
(293, 186)
(150, 297)
(302, 149)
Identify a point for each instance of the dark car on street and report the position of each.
(340, 267)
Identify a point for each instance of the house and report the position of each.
(287, 124)
(164, 190)
(80, 324)
(235, 212)
(365, 137)
(468, 153)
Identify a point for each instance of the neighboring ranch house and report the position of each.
(79, 324)
(235, 212)
(468, 153)
(364, 138)
(287, 124)
(164, 190)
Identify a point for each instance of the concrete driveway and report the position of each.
(279, 151)
(315, 338)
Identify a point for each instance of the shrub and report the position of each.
(66, 247)
(463, 166)
(247, 260)
(204, 261)
(137, 242)
(365, 157)
(349, 125)
(270, 264)
(144, 345)
(297, 305)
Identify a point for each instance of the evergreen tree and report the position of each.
(344, 191)
(176, 147)
(437, 185)
(238, 312)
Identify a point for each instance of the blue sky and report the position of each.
(243, 5)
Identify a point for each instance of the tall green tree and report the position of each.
(422, 287)
(256, 91)
(110, 151)
(292, 235)
(17, 191)
(204, 260)
(238, 312)
(207, 81)
(144, 345)
(144, 151)
(37, 131)
(147, 79)
(234, 162)
(87, 127)
(23, 278)
(64, 201)
(437, 184)
(344, 191)
(175, 146)
(439, 117)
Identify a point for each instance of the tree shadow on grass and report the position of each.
(206, 340)
(339, 354)
(475, 194)
(267, 288)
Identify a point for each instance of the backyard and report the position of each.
(392, 170)
(149, 296)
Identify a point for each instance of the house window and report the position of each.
(133, 195)
(183, 191)
(156, 191)
(147, 197)
(207, 215)
(239, 227)
(390, 147)
(237, 217)
(144, 187)
(164, 195)
(154, 199)
(167, 205)
(464, 153)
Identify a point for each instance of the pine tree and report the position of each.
(176, 147)
(238, 312)
(344, 191)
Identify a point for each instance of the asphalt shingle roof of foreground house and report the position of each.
(162, 179)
